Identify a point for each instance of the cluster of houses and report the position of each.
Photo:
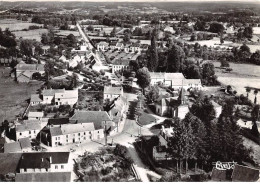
(24, 72)
(36, 167)
(120, 46)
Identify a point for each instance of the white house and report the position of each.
(160, 151)
(35, 99)
(29, 128)
(112, 92)
(60, 96)
(35, 116)
(119, 46)
(44, 162)
(102, 46)
(120, 65)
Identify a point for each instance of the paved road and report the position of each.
(85, 38)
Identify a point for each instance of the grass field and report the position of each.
(14, 24)
(67, 32)
(31, 34)
(243, 75)
(13, 96)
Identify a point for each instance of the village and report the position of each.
(149, 102)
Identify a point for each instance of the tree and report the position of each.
(248, 32)
(90, 28)
(224, 63)
(248, 90)
(255, 93)
(153, 94)
(152, 63)
(74, 81)
(255, 113)
(208, 74)
(204, 110)
(143, 78)
(126, 38)
(175, 58)
(36, 76)
(255, 58)
(113, 32)
(216, 27)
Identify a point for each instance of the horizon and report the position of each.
(136, 1)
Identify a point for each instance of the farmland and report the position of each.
(15, 25)
(31, 34)
(243, 75)
(13, 96)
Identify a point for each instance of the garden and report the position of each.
(110, 164)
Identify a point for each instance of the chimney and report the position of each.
(50, 159)
(42, 159)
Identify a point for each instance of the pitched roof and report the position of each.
(55, 131)
(103, 43)
(43, 177)
(112, 90)
(96, 117)
(42, 159)
(9, 162)
(245, 174)
(12, 147)
(119, 44)
(172, 76)
(51, 92)
(35, 98)
(26, 74)
(76, 128)
(191, 81)
(25, 143)
(218, 175)
(120, 61)
(29, 126)
(67, 94)
(35, 114)
(30, 67)
(58, 121)
(157, 75)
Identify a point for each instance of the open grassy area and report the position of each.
(13, 96)
(14, 24)
(255, 147)
(67, 32)
(31, 34)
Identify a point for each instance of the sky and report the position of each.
(258, 1)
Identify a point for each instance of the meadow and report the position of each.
(31, 34)
(15, 25)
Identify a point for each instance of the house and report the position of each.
(157, 78)
(57, 121)
(127, 47)
(112, 92)
(9, 163)
(135, 48)
(45, 49)
(60, 96)
(173, 106)
(160, 151)
(24, 72)
(72, 133)
(35, 99)
(247, 124)
(120, 64)
(245, 174)
(102, 46)
(169, 29)
(219, 175)
(217, 107)
(112, 45)
(41, 162)
(35, 115)
(69, 97)
(43, 177)
(119, 46)
(169, 78)
(12, 147)
(25, 144)
(29, 128)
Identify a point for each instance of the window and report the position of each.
(29, 132)
(56, 166)
(35, 132)
(89, 132)
(84, 133)
(97, 131)
(25, 170)
(62, 166)
(58, 99)
(78, 134)
(67, 136)
(20, 134)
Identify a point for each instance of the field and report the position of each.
(31, 34)
(13, 96)
(67, 32)
(243, 75)
(14, 24)
(256, 149)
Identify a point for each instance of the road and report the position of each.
(85, 38)
(130, 132)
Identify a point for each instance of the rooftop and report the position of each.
(51, 92)
(43, 177)
(12, 147)
(35, 114)
(31, 125)
(96, 117)
(112, 90)
(245, 174)
(9, 162)
(120, 61)
(35, 98)
(25, 143)
(42, 159)
(30, 67)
